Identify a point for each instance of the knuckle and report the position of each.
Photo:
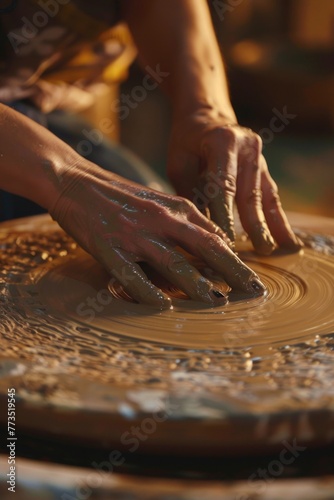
(254, 197)
(218, 135)
(183, 205)
(257, 141)
(230, 184)
(211, 241)
(274, 198)
(173, 261)
(230, 132)
(251, 148)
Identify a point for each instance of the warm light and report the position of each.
(247, 52)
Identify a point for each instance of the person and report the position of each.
(212, 159)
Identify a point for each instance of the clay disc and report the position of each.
(89, 364)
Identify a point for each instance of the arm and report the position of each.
(212, 161)
(30, 157)
(178, 35)
(117, 221)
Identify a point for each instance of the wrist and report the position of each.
(202, 103)
(54, 172)
(32, 160)
(205, 114)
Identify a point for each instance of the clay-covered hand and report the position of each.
(122, 223)
(214, 164)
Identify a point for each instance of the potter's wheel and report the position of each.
(88, 364)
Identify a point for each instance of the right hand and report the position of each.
(121, 223)
(220, 164)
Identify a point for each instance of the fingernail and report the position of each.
(257, 286)
(218, 294)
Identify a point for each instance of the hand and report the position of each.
(122, 223)
(215, 163)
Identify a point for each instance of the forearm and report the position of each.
(178, 35)
(31, 158)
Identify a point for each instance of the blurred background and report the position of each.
(279, 54)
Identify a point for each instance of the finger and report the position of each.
(133, 279)
(195, 216)
(177, 270)
(276, 218)
(219, 186)
(215, 252)
(249, 199)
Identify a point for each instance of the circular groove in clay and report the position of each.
(299, 302)
(258, 370)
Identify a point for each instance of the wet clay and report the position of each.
(298, 303)
(73, 338)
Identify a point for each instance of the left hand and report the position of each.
(215, 163)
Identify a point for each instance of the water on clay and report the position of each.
(299, 302)
(268, 353)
